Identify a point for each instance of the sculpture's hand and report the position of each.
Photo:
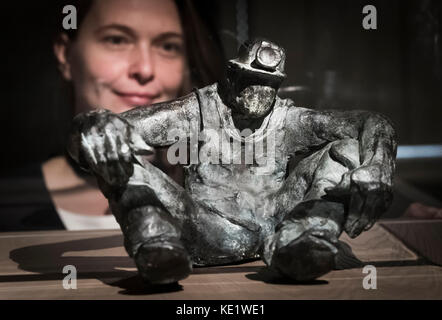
(368, 193)
(107, 144)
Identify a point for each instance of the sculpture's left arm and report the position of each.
(368, 187)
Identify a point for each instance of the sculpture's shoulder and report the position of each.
(189, 102)
(297, 119)
(289, 105)
(286, 102)
(186, 107)
(294, 110)
(207, 91)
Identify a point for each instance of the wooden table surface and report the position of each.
(31, 265)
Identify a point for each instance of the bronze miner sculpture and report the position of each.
(240, 201)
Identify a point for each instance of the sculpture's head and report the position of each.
(253, 78)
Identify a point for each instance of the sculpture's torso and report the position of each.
(238, 192)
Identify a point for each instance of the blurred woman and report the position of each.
(124, 54)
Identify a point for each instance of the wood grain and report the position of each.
(31, 266)
(423, 236)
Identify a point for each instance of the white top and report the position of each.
(76, 221)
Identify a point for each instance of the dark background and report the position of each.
(395, 70)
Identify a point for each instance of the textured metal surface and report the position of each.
(231, 209)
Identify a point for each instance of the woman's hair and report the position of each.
(205, 56)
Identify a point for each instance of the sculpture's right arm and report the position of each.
(103, 142)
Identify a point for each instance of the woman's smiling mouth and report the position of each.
(136, 98)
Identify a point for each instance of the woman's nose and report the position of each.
(141, 67)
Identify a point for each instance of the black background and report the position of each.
(395, 69)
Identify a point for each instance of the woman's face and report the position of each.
(127, 53)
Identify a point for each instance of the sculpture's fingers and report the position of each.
(88, 152)
(377, 204)
(110, 144)
(125, 156)
(117, 173)
(97, 140)
(360, 225)
(121, 176)
(354, 213)
(369, 212)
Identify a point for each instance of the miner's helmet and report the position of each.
(260, 58)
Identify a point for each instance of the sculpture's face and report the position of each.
(255, 101)
(126, 54)
(250, 94)
(253, 78)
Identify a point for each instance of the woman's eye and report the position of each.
(171, 49)
(116, 41)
